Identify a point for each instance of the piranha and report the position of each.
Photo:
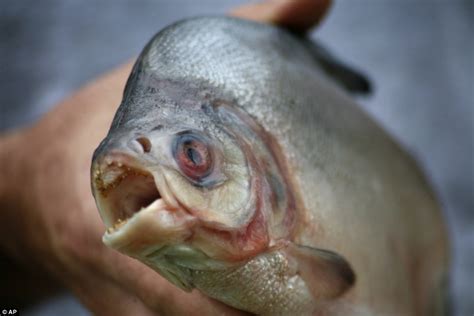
(238, 164)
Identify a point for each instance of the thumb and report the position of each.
(296, 15)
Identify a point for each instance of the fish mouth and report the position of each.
(133, 201)
(131, 191)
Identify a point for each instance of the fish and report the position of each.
(239, 164)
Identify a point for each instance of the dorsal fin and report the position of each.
(347, 77)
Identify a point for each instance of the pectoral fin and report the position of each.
(326, 274)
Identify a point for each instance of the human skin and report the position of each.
(49, 215)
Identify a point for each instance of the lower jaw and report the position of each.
(153, 225)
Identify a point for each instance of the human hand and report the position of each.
(52, 218)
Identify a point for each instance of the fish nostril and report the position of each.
(145, 143)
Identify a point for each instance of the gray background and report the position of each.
(418, 54)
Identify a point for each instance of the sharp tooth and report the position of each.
(119, 223)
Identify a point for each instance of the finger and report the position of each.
(296, 15)
(104, 297)
(156, 292)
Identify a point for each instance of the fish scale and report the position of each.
(263, 283)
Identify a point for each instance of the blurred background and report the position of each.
(419, 55)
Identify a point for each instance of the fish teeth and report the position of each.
(96, 174)
(119, 223)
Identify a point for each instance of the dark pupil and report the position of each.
(193, 155)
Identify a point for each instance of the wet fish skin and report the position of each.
(333, 179)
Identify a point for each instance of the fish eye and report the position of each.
(193, 156)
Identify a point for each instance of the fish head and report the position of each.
(186, 180)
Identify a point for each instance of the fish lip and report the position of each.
(115, 176)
